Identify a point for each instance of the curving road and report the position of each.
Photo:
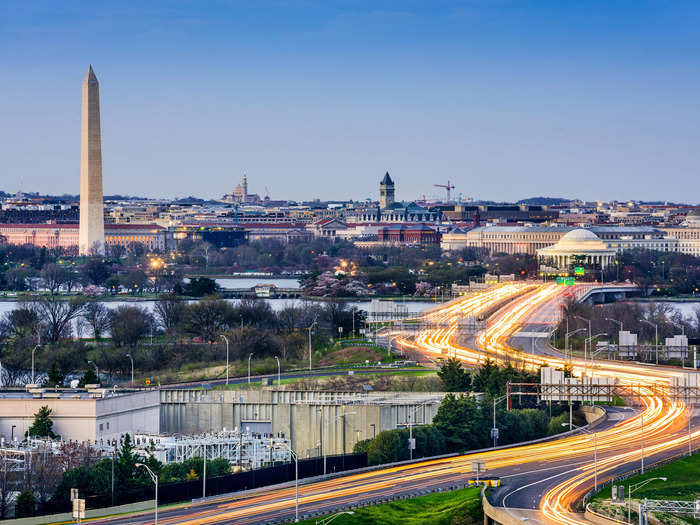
(542, 481)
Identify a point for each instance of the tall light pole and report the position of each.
(631, 489)
(250, 356)
(34, 350)
(566, 341)
(344, 419)
(296, 480)
(614, 321)
(226, 339)
(589, 332)
(154, 478)
(589, 341)
(595, 450)
(656, 337)
(321, 450)
(132, 369)
(279, 381)
(494, 430)
(310, 351)
(411, 411)
(204, 473)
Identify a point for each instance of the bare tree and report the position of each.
(57, 314)
(97, 316)
(54, 276)
(168, 311)
(44, 472)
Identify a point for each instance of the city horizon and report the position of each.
(428, 113)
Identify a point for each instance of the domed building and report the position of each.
(579, 246)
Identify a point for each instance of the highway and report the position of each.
(548, 479)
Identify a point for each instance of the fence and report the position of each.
(188, 490)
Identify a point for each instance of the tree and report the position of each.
(200, 287)
(57, 314)
(129, 324)
(55, 378)
(207, 318)
(136, 280)
(17, 279)
(96, 271)
(454, 378)
(21, 322)
(461, 421)
(42, 426)
(24, 506)
(89, 378)
(169, 310)
(97, 316)
(54, 276)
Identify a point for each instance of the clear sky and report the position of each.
(507, 99)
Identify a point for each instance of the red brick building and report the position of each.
(408, 234)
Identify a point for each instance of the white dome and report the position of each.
(580, 235)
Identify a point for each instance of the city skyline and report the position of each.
(599, 110)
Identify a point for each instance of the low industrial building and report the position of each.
(307, 418)
(82, 415)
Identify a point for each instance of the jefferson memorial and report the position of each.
(578, 246)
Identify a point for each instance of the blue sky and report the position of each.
(317, 99)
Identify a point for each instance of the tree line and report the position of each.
(463, 422)
(171, 335)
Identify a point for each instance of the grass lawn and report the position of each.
(683, 484)
(445, 508)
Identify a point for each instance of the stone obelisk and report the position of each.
(92, 226)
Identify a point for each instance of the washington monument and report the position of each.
(92, 227)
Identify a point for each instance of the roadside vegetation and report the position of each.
(459, 507)
(683, 484)
(464, 420)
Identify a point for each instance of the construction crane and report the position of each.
(447, 186)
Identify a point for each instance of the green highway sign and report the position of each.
(569, 281)
(578, 270)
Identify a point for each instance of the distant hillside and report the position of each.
(543, 201)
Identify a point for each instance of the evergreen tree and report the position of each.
(454, 378)
(42, 426)
(55, 376)
(24, 506)
(89, 378)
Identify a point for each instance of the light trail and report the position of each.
(664, 418)
(664, 421)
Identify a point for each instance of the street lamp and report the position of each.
(279, 381)
(154, 478)
(97, 370)
(34, 350)
(250, 356)
(632, 489)
(614, 321)
(296, 480)
(410, 427)
(226, 339)
(566, 341)
(656, 337)
(595, 450)
(132, 369)
(589, 332)
(494, 430)
(311, 328)
(326, 521)
(589, 342)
